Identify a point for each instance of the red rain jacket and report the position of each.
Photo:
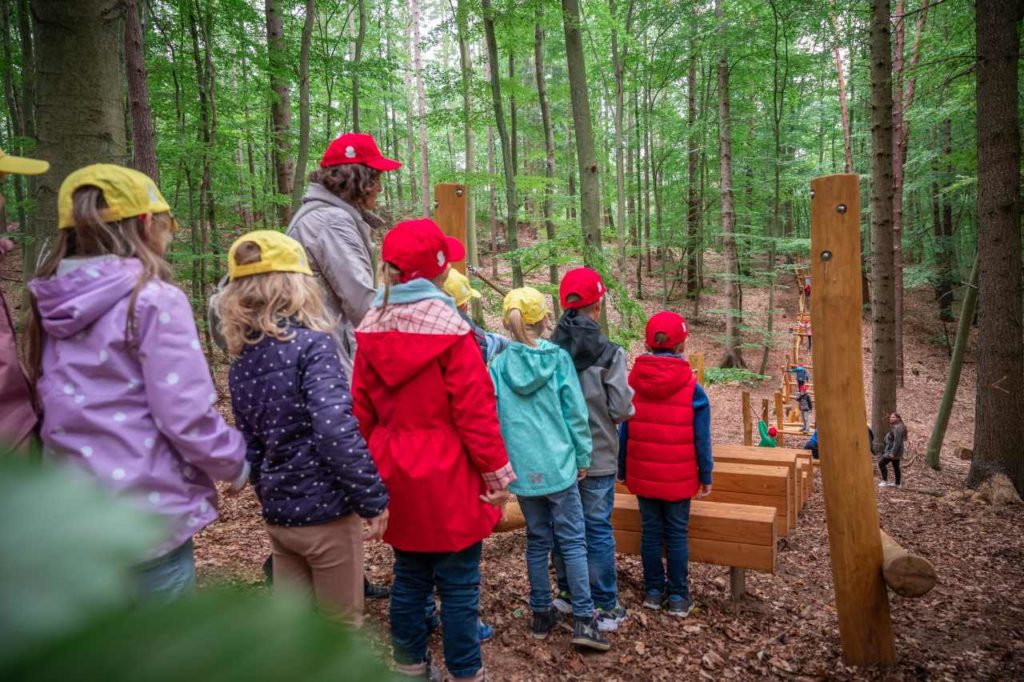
(662, 457)
(426, 406)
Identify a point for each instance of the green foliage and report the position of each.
(731, 375)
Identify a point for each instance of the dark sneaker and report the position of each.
(653, 600)
(372, 591)
(587, 634)
(543, 623)
(608, 619)
(563, 603)
(679, 606)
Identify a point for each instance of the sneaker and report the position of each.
(543, 623)
(486, 631)
(563, 603)
(679, 606)
(587, 633)
(653, 600)
(608, 619)
(896, 485)
(883, 484)
(373, 591)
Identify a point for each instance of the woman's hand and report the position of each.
(496, 498)
(376, 527)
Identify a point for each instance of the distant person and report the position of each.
(458, 287)
(802, 376)
(812, 443)
(803, 399)
(768, 434)
(895, 442)
(665, 459)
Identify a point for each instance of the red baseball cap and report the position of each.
(420, 249)
(772, 431)
(671, 325)
(583, 282)
(357, 148)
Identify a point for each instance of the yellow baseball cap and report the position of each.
(278, 253)
(19, 165)
(458, 287)
(528, 301)
(128, 193)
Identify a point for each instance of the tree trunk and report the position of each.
(549, 150)
(590, 189)
(618, 68)
(733, 356)
(466, 62)
(280, 109)
(998, 426)
(693, 245)
(78, 108)
(143, 138)
(943, 222)
(357, 60)
(300, 165)
(421, 108)
(883, 327)
(512, 224)
(844, 111)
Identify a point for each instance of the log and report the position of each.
(906, 574)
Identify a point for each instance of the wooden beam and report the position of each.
(906, 574)
(851, 512)
(780, 418)
(748, 420)
(450, 213)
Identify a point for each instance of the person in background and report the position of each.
(601, 366)
(18, 417)
(812, 443)
(310, 467)
(119, 371)
(545, 424)
(665, 459)
(803, 399)
(458, 287)
(895, 441)
(801, 375)
(768, 434)
(426, 406)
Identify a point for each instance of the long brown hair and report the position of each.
(92, 236)
(899, 420)
(351, 182)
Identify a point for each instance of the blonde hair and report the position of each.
(92, 236)
(255, 307)
(521, 331)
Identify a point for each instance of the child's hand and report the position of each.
(496, 498)
(705, 490)
(376, 527)
(581, 475)
(239, 483)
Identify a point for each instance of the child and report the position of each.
(119, 371)
(310, 467)
(768, 434)
(426, 407)
(544, 422)
(666, 458)
(806, 405)
(893, 453)
(457, 286)
(601, 366)
(800, 372)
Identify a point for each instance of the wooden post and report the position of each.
(450, 213)
(737, 583)
(748, 422)
(697, 362)
(764, 410)
(780, 419)
(851, 512)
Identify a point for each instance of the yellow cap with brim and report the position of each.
(19, 165)
(127, 193)
(528, 301)
(278, 253)
(458, 287)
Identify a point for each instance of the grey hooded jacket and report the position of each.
(340, 249)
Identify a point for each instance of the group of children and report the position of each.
(440, 424)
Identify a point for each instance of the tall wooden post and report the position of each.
(450, 213)
(780, 419)
(748, 421)
(865, 627)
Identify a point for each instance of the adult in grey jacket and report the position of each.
(893, 454)
(332, 224)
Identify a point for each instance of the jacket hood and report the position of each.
(71, 302)
(581, 337)
(527, 369)
(659, 376)
(412, 291)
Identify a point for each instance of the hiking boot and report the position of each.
(608, 619)
(563, 603)
(679, 606)
(653, 600)
(543, 623)
(587, 634)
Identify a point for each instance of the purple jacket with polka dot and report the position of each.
(309, 462)
(138, 417)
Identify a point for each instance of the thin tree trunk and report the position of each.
(549, 150)
(844, 111)
(618, 68)
(943, 221)
(466, 62)
(421, 108)
(143, 137)
(299, 184)
(692, 179)
(280, 109)
(998, 426)
(492, 199)
(513, 117)
(357, 61)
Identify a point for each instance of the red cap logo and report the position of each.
(420, 249)
(582, 283)
(357, 148)
(672, 325)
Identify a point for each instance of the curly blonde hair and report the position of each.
(255, 307)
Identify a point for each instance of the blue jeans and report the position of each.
(456, 575)
(167, 578)
(558, 515)
(665, 523)
(597, 493)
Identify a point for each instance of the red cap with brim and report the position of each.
(582, 283)
(420, 249)
(672, 325)
(357, 148)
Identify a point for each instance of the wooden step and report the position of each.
(767, 457)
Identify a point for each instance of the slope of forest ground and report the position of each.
(971, 626)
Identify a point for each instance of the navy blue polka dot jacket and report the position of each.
(291, 400)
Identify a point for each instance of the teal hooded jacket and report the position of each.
(543, 415)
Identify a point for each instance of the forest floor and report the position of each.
(971, 626)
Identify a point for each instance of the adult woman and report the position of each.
(332, 225)
(893, 451)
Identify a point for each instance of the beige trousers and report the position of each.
(325, 559)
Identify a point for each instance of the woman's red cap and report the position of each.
(357, 148)
(420, 249)
(672, 325)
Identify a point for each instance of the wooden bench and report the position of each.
(766, 457)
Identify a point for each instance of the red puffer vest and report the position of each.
(661, 459)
